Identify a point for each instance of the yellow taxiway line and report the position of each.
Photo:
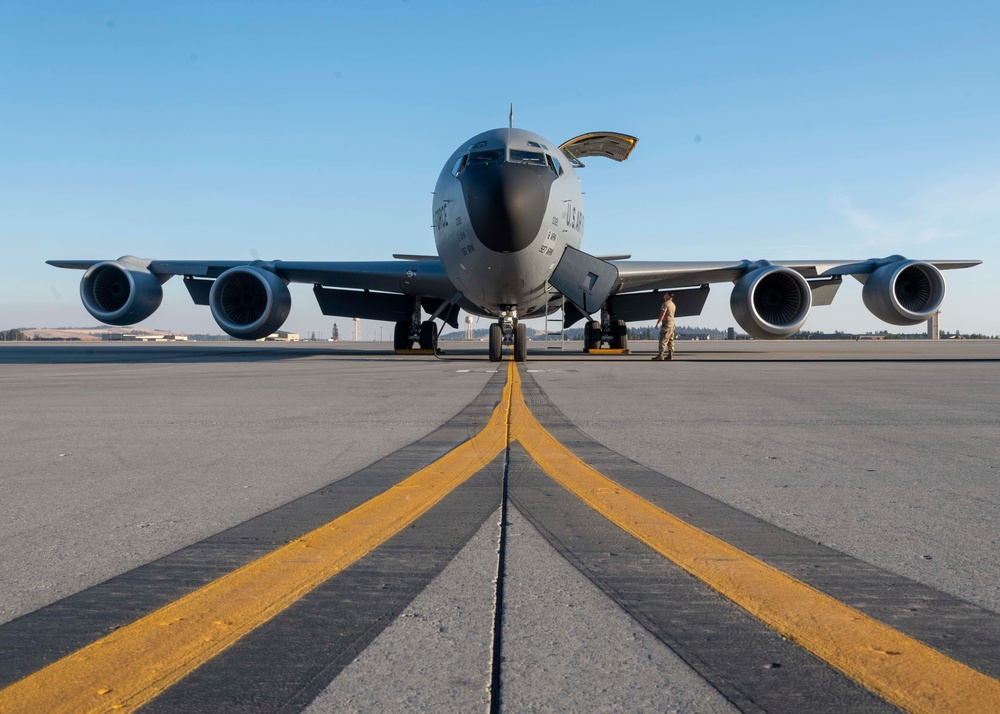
(134, 664)
(897, 667)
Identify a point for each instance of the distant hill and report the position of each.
(99, 333)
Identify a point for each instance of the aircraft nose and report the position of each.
(506, 203)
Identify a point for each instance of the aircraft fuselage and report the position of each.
(506, 205)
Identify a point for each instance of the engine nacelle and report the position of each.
(250, 302)
(120, 292)
(771, 302)
(904, 293)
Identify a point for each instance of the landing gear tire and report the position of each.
(520, 343)
(428, 336)
(401, 335)
(592, 336)
(496, 343)
(619, 338)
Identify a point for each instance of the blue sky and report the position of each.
(316, 130)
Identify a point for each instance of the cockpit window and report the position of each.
(554, 165)
(527, 157)
(490, 156)
(459, 165)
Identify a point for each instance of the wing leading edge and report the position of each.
(421, 278)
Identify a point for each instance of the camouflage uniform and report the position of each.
(667, 329)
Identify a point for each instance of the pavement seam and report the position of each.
(496, 663)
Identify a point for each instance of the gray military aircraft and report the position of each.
(508, 224)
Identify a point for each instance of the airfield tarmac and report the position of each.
(133, 475)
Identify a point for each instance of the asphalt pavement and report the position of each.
(151, 469)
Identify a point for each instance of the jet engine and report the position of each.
(771, 302)
(250, 302)
(121, 292)
(904, 293)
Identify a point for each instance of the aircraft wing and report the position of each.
(254, 301)
(635, 275)
(424, 278)
(770, 299)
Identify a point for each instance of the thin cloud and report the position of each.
(956, 209)
(963, 200)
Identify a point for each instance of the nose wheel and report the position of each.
(508, 333)
(520, 343)
(496, 343)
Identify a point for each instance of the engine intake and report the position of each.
(771, 302)
(250, 302)
(120, 292)
(904, 293)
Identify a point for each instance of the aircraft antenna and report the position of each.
(512, 115)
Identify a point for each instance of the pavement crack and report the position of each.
(498, 605)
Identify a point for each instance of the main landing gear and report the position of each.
(426, 336)
(614, 332)
(508, 331)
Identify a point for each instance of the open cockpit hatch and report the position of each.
(608, 144)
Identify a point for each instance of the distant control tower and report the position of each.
(468, 328)
(934, 326)
(357, 328)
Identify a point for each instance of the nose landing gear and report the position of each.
(508, 331)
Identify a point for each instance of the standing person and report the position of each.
(666, 324)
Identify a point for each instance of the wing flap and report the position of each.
(357, 303)
(635, 307)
